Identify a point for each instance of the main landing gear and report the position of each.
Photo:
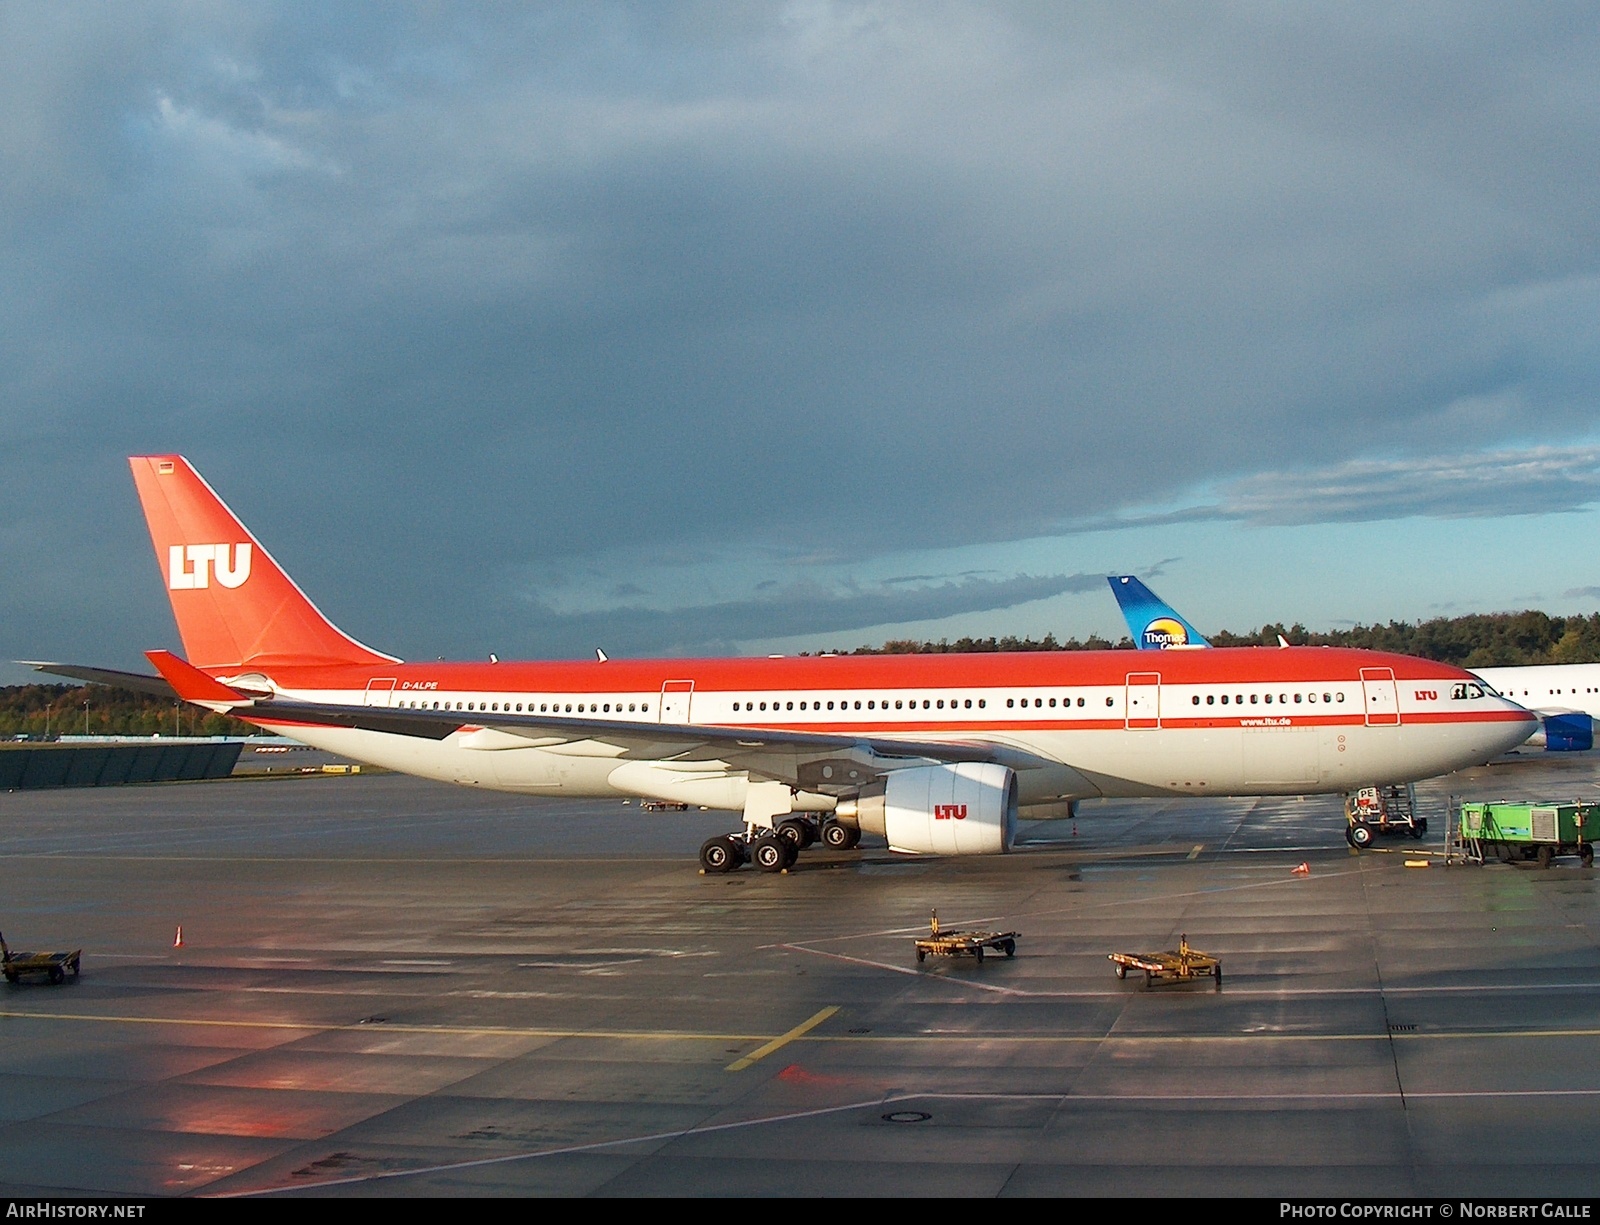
(777, 849)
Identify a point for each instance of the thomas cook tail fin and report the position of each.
(1151, 620)
(234, 605)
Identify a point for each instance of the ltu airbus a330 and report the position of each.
(939, 754)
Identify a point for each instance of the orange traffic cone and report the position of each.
(1304, 869)
(177, 941)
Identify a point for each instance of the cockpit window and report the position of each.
(1466, 691)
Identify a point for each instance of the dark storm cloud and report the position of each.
(434, 294)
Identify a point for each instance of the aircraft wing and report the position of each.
(681, 741)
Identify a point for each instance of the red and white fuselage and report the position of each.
(1221, 722)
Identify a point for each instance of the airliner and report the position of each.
(1565, 697)
(937, 754)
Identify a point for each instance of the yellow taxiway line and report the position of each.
(800, 1030)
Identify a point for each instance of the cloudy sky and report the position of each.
(716, 328)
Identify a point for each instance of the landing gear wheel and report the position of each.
(1546, 854)
(1359, 835)
(837, 836)
(1586, 855)
(720, 854)
(771, 853)
(797, 833)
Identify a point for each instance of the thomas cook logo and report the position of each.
(191, 566)
(1165, 632)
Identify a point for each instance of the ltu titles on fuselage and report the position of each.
(809, 747)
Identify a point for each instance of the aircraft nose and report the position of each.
(1509, 732)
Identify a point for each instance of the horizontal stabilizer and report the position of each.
(138, 682)
(191, 684)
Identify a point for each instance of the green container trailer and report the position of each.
(1531, 831)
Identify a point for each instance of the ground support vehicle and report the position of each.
(54, 966)
(940, 942)
(1382, 810)
(1514, 833)
(1185, 964)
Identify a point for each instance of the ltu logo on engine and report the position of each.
(191, 566)
(949, 812)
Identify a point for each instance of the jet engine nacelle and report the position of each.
(1572, 732)
(968, 808)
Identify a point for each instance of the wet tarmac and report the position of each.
(392, 987)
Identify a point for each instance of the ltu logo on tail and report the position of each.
(191, 566)
(1165, 632)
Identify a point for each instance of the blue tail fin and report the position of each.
(1152, 622)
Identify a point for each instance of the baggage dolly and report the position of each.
(54, 966)
(1186, 964)
(941, 943)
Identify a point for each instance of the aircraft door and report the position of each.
(380, 692)
(1144, 699)
(1381, 696)
(675, 698)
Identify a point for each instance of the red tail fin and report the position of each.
(234, 606)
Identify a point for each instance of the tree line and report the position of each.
(99, 710)
(1478, 640)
